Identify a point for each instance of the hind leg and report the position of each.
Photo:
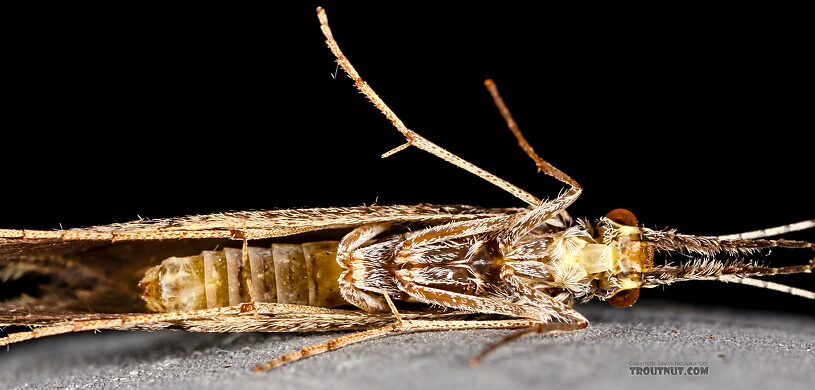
(355, 268)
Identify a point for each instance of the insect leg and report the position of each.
(541, 307)
(330, 345)
(392, 307)
(526, 222)
(245, 260)
(335, 343)
(413, 139)
(352, 267)
(544, 210)
(543, 165)
(575, 320)
(405, 326)
(546, 327)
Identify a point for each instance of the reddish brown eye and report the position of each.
(624, 299)
(622, 216)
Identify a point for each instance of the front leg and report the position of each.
(529, 304)
(526, 222)
(548, 314)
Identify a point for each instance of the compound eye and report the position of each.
(624, 299)
(622, 216)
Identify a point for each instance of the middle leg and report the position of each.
(407, 326)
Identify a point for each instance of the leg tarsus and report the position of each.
(537, 329)
(543, 165)
(328, 346)
(392, 306)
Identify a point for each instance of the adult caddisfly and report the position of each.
(457, 267)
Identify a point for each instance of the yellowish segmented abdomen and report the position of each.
(303, 274)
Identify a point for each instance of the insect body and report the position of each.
(527, 266)
(562, 258)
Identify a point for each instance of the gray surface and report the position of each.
(742, 349)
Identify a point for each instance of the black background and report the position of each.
(691, 118)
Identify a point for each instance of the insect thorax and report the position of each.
(562, 259)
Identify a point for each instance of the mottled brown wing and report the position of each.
(266, 317)
(234, 225)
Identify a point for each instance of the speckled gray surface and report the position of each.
(741, 349)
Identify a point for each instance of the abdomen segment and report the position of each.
(304, 274)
